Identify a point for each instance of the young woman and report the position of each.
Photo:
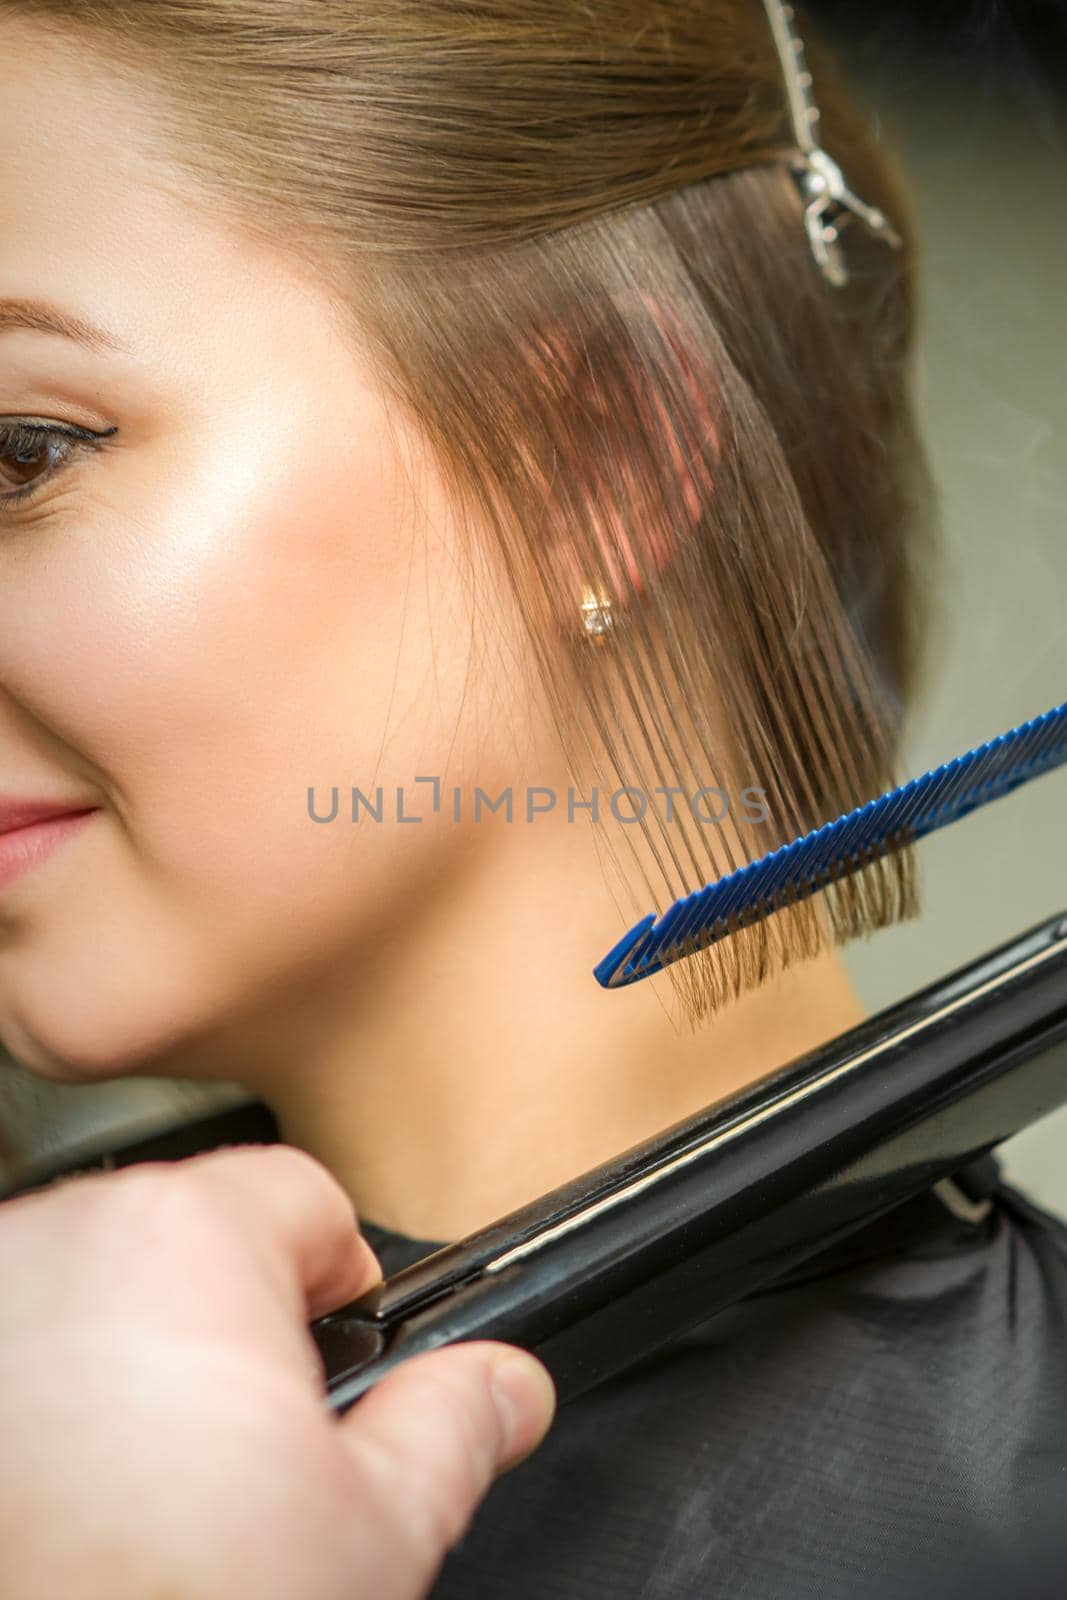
(407, 403)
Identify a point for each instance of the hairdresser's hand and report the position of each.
(162, 1424)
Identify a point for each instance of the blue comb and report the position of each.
(837, 849)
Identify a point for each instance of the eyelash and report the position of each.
(22, 438)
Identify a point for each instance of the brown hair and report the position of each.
(569, 240)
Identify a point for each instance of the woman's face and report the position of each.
(235, 598)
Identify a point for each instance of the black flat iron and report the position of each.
(609, 1268)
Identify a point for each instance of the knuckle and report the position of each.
(289, 1158)
(160, 1198)
(270, 1162)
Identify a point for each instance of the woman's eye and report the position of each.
(33, 454)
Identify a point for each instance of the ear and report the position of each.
(633, 542)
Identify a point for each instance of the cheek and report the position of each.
(204, 666)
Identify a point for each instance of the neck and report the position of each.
(475, 1078)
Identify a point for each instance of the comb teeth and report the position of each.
(838, 849)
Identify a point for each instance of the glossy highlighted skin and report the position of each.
(837, 849)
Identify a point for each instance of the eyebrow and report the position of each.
(43, 318)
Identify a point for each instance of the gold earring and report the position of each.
(596, 614)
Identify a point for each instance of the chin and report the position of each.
(58, 1065)
(94, 1020)
(77, 1053)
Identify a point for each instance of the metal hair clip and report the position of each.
(819, 178)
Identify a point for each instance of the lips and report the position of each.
(24, 813)
(31, 830)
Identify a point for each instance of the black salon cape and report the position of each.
(888, 1420)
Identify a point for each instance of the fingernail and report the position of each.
(525, 1400)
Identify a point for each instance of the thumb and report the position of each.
(427, 1442)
